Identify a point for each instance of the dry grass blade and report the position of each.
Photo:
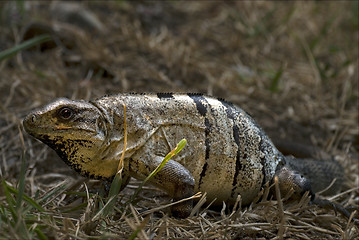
(138, 226)
(155, 209)
(280, 208)
(199, 204)
(120, 164)
(117, 180)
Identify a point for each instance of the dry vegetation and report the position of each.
(293, 66)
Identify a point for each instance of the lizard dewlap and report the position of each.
(227, 153)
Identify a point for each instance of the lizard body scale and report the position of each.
(227, 153)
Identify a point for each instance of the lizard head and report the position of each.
(76, 130)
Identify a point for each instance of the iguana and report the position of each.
(227, 152)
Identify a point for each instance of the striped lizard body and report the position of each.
(227, 153)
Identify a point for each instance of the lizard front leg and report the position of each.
(173, 178)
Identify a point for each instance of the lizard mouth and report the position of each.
(33, 126)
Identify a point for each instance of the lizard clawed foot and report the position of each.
(324, 203)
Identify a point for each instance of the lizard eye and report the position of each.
(66, 113)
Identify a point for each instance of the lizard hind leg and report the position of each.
(325, 176)
(307, 174)
(292, 181)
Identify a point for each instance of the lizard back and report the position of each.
(227, 152)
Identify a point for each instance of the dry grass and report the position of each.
(293, 66)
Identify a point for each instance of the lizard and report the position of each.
(227, 153)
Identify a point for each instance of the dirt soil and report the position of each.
(292, 65)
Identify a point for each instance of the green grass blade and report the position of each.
(3, 215)
(21, 182)
(72, 209)
(53, 192)
(134, 234)
(274, 87)
(25, 45)
(176, 150)
(10, 200)
(114, 190)
(21, 228)
(28, 199)
(115, 185)
(40, 234)
(103, 212)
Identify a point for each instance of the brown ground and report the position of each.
(293, 66)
